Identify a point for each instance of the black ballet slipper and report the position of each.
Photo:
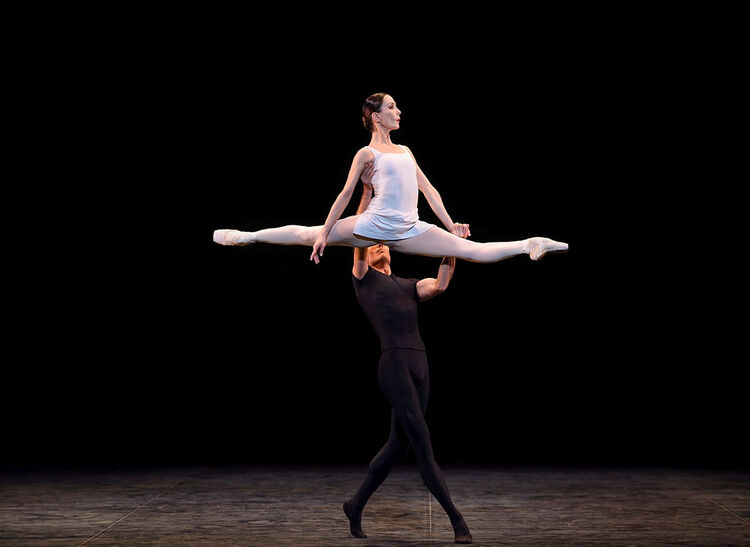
(355, 525)
(462, 533)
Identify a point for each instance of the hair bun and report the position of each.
(372, 104)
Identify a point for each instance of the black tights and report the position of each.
(404, 380)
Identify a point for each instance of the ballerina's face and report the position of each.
(389, 115)
(378, 254)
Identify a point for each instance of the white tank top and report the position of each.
(392, 213)
(395, 182)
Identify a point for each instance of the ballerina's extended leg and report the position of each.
(438, 243)
(293, 234)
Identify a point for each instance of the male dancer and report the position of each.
(390, 304)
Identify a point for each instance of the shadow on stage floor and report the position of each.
(301, 505)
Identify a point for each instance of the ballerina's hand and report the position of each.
(461, 230)
(318, 247)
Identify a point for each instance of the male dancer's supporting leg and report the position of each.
(404, 379)
(379, 468)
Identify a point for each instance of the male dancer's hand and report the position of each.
(367, 173)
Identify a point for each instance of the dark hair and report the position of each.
(372, 104)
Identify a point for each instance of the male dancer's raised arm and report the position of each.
(360, 253)
(430, 287)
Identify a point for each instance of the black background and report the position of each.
(142, 342)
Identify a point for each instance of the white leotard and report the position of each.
(392, 213)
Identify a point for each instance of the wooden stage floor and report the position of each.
(301, 505)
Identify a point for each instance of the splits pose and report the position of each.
(390, 304)
(391, 217)
(384, 222)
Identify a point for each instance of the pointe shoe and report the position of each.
(540, 246)
(232, 237)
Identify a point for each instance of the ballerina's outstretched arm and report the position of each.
(361, 159)
(433, 198)
(451, 242)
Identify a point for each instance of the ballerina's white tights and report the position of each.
(434, 242)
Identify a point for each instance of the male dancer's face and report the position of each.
(378, 255)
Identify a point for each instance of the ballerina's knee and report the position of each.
(308, 235)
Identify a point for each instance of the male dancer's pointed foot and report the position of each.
(355, 519)
(461, 532)
(540, 246)
(233, 237)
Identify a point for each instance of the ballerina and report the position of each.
(391, 218)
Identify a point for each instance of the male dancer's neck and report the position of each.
(385, 269)
(382, 265)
